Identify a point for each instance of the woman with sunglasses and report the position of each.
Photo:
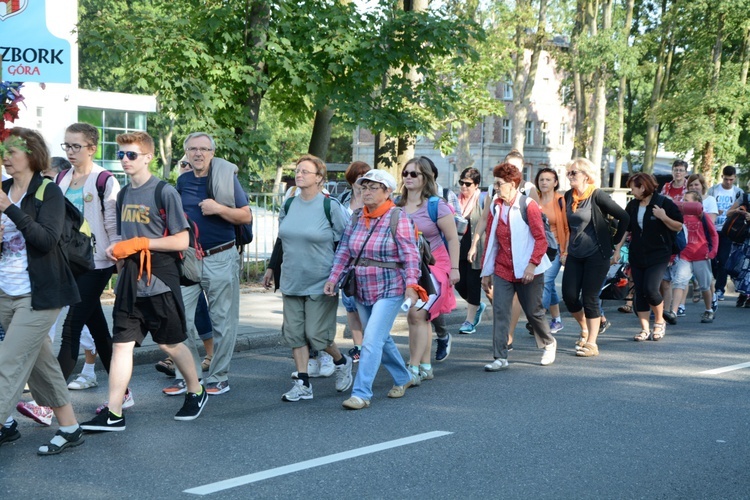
(590, 250)
(513, 264)
(552, 204)
(469, 286)
(35, 283)
(418, 186)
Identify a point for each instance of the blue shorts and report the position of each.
(349, 303)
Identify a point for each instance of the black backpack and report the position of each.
(77, 241)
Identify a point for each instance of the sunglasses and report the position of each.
(465, 183)
(413, 174)
(186, 164)
(132, 155)
(573, 173)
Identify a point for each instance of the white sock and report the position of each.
(59, 440)
(88, 370)
(557, 318)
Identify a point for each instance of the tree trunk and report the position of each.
(580, 138)
(321, 133)
(463, 148)
(256, 36)
(620, 152)
(523, 83)
(165, 149)
(600, 99)
(707, 159)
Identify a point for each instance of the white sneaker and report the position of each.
(297, 392)
(497, 365)
(326, 365)
(344, 375)
(549, 353)
(313, 368)
(83, 382)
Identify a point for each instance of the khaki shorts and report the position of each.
(309, 320)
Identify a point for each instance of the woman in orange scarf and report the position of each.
(590, 250)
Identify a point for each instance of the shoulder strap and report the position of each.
(60, 175)
(158, 194)
(101, 185)
(523, 205)
(39, 195)
(445, 194)
(432, 208)
(395, 214)
(327, 209)
(120, 197)
(210, 182)
(287, 204)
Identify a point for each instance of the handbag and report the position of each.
(736, 227)
(348, 283)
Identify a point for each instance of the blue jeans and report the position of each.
(549, 296)
(378, 346)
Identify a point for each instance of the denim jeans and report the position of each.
(378, 346)
(549, 296)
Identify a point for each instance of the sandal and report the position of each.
(588, 350)
(660, 329)
(696, 293)
(66, 440)
(206, 363)
(166, 366)
(642, 335)
(582, 340)
(627, 308)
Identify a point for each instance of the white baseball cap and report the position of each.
(379, 176)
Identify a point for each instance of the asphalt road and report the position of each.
(639, 421)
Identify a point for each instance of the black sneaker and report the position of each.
(193, 406)
(8, 434)
(741, 300)
(670, 317)
(105, 421)
(354, 353)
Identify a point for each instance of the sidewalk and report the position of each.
(260, 325)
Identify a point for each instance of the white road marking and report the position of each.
(717, 371)
(208, 489)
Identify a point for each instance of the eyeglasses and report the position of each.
(465, 183)
(498, 185)
(573, 173)
(304, 172)
(414, 174)
(132, 155)
(186, 164)
(195, 150)
(371, 187)
(75, 147)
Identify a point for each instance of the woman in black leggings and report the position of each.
(590, 250)
(654, 219)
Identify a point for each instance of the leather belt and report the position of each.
(220, 248)
(377, 263)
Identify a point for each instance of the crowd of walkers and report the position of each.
(387, 246)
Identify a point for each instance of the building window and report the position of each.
(507, 130)
(563, 133)
(111, 123)
(545, 133)
(508, 90)
(529, 133)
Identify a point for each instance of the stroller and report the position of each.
(615, 286)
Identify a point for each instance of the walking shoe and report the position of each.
(40, 414)
(105, 421)
(297, 392)
(741, 300)
(478, 315)
(497, 365)
(313, 368)
(588, 350)
(707, 317)
(720, 295)
(443, 348)
(83, 382)
(61, 441)
(8, 434)
(193, 406)
(397, 391)
(165, 366)
(355, 353)
(670, 317)
(127, 402)
(555, 326)
(549, 354)
(344, 377)
(425, 373)
(178, 387)
(681, 312)
(216, 388)
(206, 363)
(715, 302)
(530, 328)
(466, 328)
(356, 403)
(603, 325)
(416, 378)
(326, 365)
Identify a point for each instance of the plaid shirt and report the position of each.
(374, 283)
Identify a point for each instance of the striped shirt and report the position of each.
(375, 283)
